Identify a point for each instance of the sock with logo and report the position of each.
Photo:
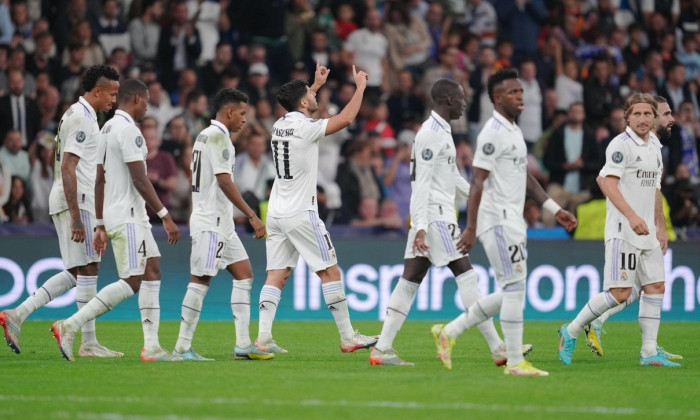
(467, 285)
(149, 306)
(269, 299)
(334, 295)
(85, 290)
(191, 308)
(649, 320)
(240, 306)
(595, 307)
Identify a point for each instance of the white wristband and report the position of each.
(99, 222)
(162, 213)
(551, 206)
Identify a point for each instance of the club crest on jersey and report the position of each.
(427, 154)
(617, 157)
(226, 154)
(80, 136)
(488, 149)
(139, 141)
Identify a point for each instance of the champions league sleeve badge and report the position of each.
(139, 141)
(226, 154)
(427, 154)
(488, 149)
(617, 157)
(80, 136)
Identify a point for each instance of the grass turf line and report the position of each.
(316, 380)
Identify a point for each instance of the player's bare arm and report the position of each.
(660, 222)
(70, 189)
(99, 242)
(348, 114)
(537, 193)
(612, 191)
(320, 76)
(232, 193)
(137, 170)
(468, 236)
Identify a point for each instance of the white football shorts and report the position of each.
(441, 237)
(627, 266)
(303, 234)
(75, 254)
(133, 244)
(506, 251)
(212, 251)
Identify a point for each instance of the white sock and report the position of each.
(512, 321)
(396, 312)
(484, 308)
(592, 310)
(149, 306)
(106, 299)
(191, 308)
(269, 299)
(469, 292)
(240, 306)
(612, 311)
(649, 320)
(85, 290)
(334, 295)
(55, 286)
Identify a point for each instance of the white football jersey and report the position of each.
(435, 178)
(638, 164)
(77, 132)
(295, 140)
(121, 142)
(501, 150)
(212, 154)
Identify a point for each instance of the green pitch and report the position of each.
(316, 380)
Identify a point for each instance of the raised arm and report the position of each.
(348, 114)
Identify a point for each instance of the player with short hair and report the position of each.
(215, 243)
(500, 181)
(434, 230)
(594, 330)
(122, 183)
(293, 224)
(635, 232)
(72, 208)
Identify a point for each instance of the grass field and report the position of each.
(316, 380)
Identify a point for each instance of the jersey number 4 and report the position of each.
(285, 159)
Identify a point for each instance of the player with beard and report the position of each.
(594, 330)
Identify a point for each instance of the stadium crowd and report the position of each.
(577, 59)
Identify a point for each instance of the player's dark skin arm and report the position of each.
(137, 170)
(468, 237)
(232, 193)
(537, 193)
(70, 189)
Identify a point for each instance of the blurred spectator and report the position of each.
(404, 104)
(41, 179)
(257, 85)
(264, 115)
(329, 153)
(144, 33)
(68, 18)
(176, 137)
(254, 168)
(159, 105)
(599, 95)
(685, 211)
(119, 61)
(161, 168)
(72, 72)
(504, 54)
(689, 56)
(409, 41)
(344, 23)
(44, 57)
(187, 83)
(14, 158)
(675, 89)
(48, 102)
(567, 85)
(320, 52)
(179, 45)
(367, 48)
(6, 28)
(532, 214)
(181, 196)
(521, 21)
(589, 214)
(19, 111)
(379, 124)
(530, 120)
(397, 179)
(634, 52)
(21, 23)
(481, 107)
(17, 209)
(207, 18)
(356, 179)
(573, 159)
(446, 68)
(438, 25)
(110, 29)
(481, 20)
(81, 33)
(298, 19)
(210, 73)
(16, 60)
(196, 112)
(369, 214)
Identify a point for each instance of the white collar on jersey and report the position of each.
(638, 139)
(295, 115)
(444, 124)
(125, 115)
(221, 127)
(507, 124)
(89, 107)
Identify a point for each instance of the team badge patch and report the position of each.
(617, 157)
(80, 136)
(488, 149)
(139, 141)
(427, 154)
(226, 154)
